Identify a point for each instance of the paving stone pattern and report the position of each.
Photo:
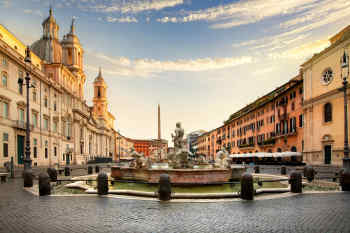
(21, 211)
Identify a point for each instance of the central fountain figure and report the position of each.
(179, 159)
(178, 137)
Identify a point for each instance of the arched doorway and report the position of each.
(293, 149)
(279, 150)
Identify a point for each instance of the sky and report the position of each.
(201, 60)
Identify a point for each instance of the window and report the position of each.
(5, 112)
(46, 150)
(327, 76)
(46, 124)
(55, 151)
(35, 152)
(293, 106)
(21, 115)
(4, 61)
(5, 139)
(54, 106)
(327, 112)
(54, 127)
(35, 119)
(20, 89)
(45, 102)
(34, 96)
(4, 79)
(98, 92)
(301, 120)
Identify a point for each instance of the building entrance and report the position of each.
(328, 154)
(20, 149)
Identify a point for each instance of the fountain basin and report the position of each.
(179, 176)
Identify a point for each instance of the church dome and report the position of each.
(48, 48)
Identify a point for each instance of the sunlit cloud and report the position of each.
(133, 6)
(149, 67)
(33, 12)
(127, 19)
(303, 51)
(244, 12)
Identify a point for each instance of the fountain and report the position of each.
(179, 167)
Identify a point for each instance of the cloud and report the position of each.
(145, 67)
(127, 19)
(134, 6)
(167, 19)
(33, 12)
(244, 12)
(302, 51)
(5, 3)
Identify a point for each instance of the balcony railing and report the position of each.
(22, 125)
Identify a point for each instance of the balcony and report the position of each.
(267, 142)
(246, 145)
(22, 125)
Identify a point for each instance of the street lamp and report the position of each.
(27, 174)
(345, 176)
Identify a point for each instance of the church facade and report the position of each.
(64, 129)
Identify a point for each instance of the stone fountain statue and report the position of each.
(179, 159)
(222, 159)
(139, 158)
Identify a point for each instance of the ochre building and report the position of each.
(324, 103)
(272, 123)
(63, 127)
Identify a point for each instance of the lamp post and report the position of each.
(345, 175)
(119, 146)
(27, 174)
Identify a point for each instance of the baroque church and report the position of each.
(64, 129)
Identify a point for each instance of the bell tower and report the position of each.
(72, 50)
(100, 108)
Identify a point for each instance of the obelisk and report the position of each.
(159, 134)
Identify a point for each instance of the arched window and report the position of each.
(294, 149)
(279, 150)
(98, 92)
(327, 112)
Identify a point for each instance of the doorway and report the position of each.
(328, 154)
(20, 149)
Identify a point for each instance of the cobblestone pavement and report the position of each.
(21, 211)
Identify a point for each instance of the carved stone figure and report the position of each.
(139, 158)
(178, 137)
(222, 159)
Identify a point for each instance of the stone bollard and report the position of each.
(295, 181)
(257, 169)
(164, 191)
(345, 177)
(52, 172)
(12, 168)
(28, 178)
(102, 184)
(66, 171)
(44, 184)
(247, 186)
(90, 170)
(309, 173)
(283, 170)
(304, 171)
(97, 169)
